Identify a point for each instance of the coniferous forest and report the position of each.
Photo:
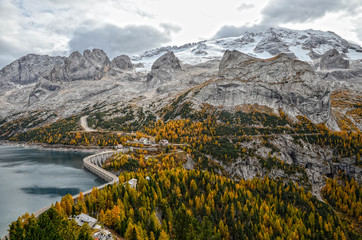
(206, 202)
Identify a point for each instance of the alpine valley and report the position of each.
(266, 118)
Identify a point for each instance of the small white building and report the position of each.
(132, 183)
(145, 140)
(163, 142)
(84, 218)
(97, 227)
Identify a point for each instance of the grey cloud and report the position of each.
(245, 6)
(119, 40)
(277, 12)
(296, 11)
(233, 31)
(8, 52)
(170, 28)
(5, 60)
(359, 32)
(144, 14)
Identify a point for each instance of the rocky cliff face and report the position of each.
(163, 69)
(279, 82)
(271, 43)
(122, 62)
(120, 65)
(280, 40)
(233, 60)
(28, 69)
(229, 79)
(332, 59)
(92, 65)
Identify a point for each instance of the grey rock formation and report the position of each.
(233, 59)
(49, 86)
(41, 90)
(317, 40)
(245, 39)
(92, 65)
(98, 58)
(350, 78)
(167, 61)
(122, 62)
(348, 75)
(317, 161)
(313, 55)
(333, 60)
(201, 49)
(279, 82)
(163, 69)
(271, 43)
(28, 69)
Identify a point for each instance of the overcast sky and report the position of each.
(58, 27)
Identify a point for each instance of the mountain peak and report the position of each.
(167, 60)
(164, 67)
(305, 45)
(28, 69)
(90, 66)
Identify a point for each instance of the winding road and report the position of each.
(84, 124)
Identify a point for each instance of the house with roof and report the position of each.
(163, 142)
(132, 183)
(145, 140)
(84, 218)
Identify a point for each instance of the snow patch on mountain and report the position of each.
(261, 45)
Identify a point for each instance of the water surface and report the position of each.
(32, 179)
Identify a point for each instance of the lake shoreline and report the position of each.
(54, 147)
(65, 174)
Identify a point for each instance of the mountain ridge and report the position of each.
(81, 80)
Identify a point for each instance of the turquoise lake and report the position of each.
(31, 179)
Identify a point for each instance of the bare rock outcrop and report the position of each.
(41, 90)
(313, 55)
(122, 62)
(317, 39)
(332, 59)
(279, 82)
(92, 65)
(271, 43)
(167, 61)
(28, 69)
(233, 59)
(163, 69)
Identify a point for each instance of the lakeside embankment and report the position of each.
(56, 147)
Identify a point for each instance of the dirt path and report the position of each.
(84, 124)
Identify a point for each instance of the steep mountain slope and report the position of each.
(92, 65)
(28, 69)
(66, 86)
(279, 82)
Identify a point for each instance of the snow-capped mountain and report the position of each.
(306, 45)
(64, 86)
